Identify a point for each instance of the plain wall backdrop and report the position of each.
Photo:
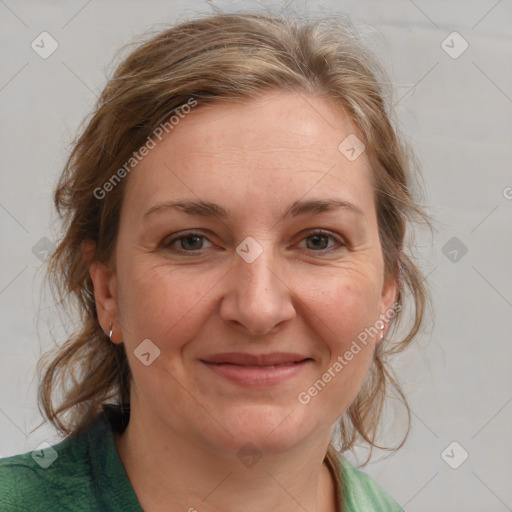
(454, 103)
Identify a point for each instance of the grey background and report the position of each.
(456, 113)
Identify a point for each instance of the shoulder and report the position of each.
(48, 478)
(82, 472)
(362, 493)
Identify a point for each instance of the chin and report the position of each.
(271, 429)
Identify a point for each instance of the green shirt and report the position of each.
(84, 473)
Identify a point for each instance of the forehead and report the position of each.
(278, 145)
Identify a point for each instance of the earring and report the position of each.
(110, 332)
(382, 332)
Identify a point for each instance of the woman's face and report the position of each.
(259, 283)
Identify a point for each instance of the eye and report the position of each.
(316, 241)
(189, 242)
(319, 241)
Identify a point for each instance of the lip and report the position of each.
(257, 370)
(246, 359)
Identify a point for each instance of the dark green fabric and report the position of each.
(88, 475)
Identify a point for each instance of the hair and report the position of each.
(225, 57)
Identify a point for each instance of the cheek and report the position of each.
(344, 315)
(167, 305)
(345, 306)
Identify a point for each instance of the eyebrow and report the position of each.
(208, 209)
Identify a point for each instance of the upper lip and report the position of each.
(245, 359)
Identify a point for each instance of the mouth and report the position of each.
(252, 370)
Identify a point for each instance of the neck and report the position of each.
(170, 471)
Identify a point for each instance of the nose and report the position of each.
(257, 299)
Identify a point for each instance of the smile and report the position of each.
(257, 370)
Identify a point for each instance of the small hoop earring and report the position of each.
(110, 332)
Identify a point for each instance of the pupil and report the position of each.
(318, 238)
(185, 242)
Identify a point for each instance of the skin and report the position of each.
(301, 295)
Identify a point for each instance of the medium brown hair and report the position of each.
(221, 58)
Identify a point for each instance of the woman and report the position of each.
(235, 213)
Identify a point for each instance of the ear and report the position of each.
(105, 291)
(387, 306)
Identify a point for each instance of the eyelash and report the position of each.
(319, 232)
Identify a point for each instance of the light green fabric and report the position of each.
(88, 475)
(362, 494)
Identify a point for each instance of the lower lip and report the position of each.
(252, 376)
